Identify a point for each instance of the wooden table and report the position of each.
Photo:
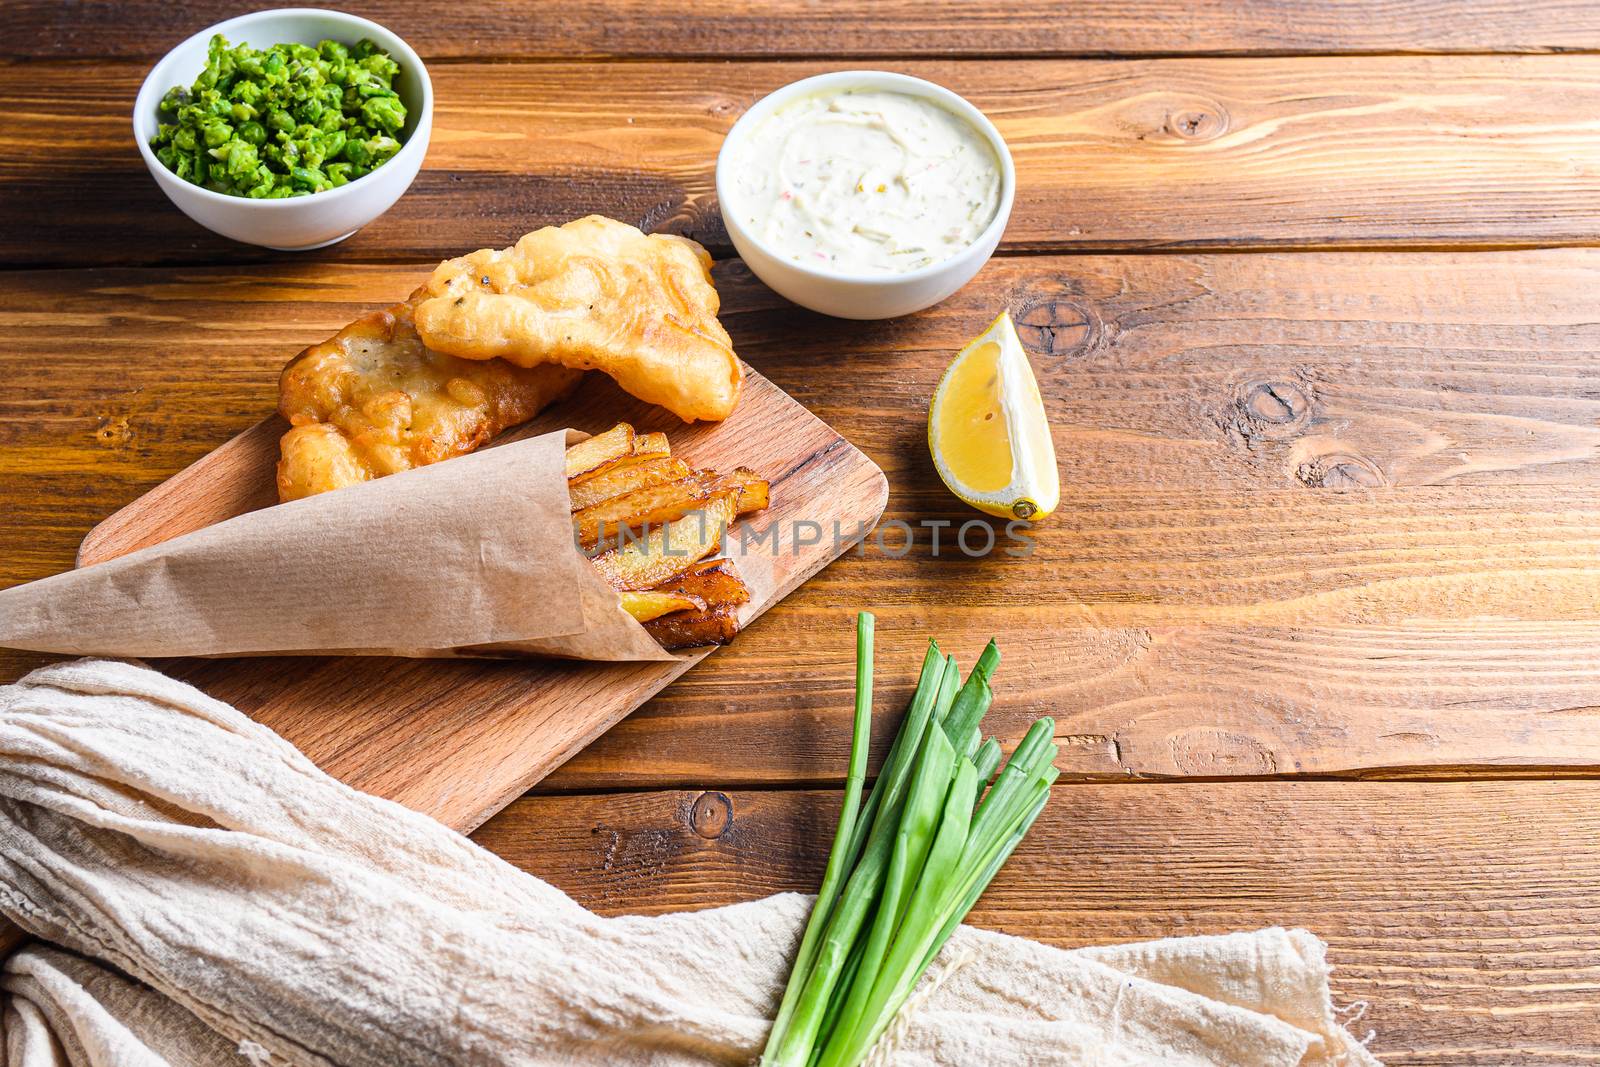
(1313, 292)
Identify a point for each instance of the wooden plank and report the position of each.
(1420, 699)
(836, 29)
(1201, 605)
(1464, 915)
(459, 739)
(1249, 372)
(1241, 153)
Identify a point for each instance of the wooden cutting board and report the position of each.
(459, 739)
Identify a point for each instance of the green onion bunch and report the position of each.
(907, 864)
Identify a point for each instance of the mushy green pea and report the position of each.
(287, 121)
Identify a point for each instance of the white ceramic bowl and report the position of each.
(299, 222)
(862, 296)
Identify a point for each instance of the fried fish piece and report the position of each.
(373, 400)
(593, 294)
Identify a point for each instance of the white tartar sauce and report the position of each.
(866, 182)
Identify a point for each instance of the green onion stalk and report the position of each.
(909, 863)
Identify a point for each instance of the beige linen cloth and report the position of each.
(219, 900)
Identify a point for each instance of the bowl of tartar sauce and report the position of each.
(865, 194)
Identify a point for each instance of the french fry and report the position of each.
(624, 476)
(653, 603)
(713, 581)
(602, 448)
(653, 505)
(646, 447)
(622, 480)
(667, 552)
(694, 629)
(651, 446)
(754, 491)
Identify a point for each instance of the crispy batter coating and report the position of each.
(593, 294)
(373, 400)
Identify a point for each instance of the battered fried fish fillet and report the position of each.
(373, 400)
(593, 294)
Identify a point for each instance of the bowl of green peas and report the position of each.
(290, 128)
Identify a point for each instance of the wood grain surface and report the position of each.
(841, 29)
(1218, 153)
(1325, 513)
(1462, 918)
(1314, 312)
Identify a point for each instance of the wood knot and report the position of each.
(1269, 410)
(1055, 326)
(114, 430)
(1197, 123)
(711, 815)
(732, 272)
(1276, 403)
(1339, 471)
(1321, 461)
(1210, 752)
(696, 217)
(1172, 119)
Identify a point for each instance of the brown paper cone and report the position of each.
(476, 551)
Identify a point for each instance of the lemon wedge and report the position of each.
(987, 430)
